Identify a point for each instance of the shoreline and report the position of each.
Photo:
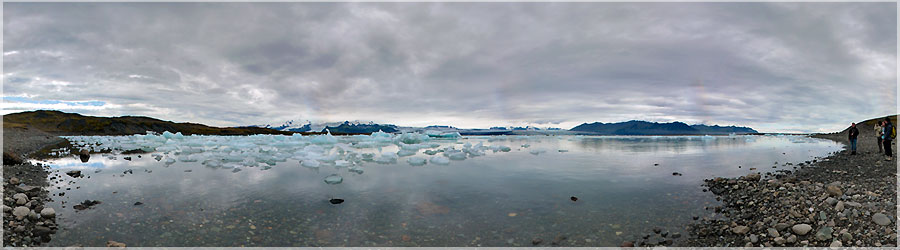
(839, 200)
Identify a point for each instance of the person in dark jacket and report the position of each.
(886, 138)
(854, 133)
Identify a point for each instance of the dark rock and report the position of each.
(536, 241)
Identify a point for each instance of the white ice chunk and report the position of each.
(334, 179)
(416, 161)
(440, 160)
(310, 163)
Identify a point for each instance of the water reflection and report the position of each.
(624, 185)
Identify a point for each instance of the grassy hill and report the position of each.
(61, 123)
(865, 129)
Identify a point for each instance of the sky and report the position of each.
(775, 67)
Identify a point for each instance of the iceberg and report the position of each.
(440, 160)
(310, 163)
(334, 179)
(416, 161)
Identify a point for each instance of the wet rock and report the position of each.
(676, 235)
(74, 173)
(48, 212)
(41, 231)
(86, 204)
(536, 241)
(11, 159)
(752, 177)
(881, 219)
(801, 229)
(573, 198)
(138, 203)
(627, 244)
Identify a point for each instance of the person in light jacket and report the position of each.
(878, 134)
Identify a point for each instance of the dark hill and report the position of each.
(653, 128)
(347, 128)
(61, 123)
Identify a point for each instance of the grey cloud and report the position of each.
(767, 65)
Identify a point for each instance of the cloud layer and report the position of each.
(801, 67)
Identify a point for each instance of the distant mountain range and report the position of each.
(61, 123)
(653, 128)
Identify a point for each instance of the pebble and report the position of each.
(740, 229)
(48, 212)
(20, 212)
(833, 190)
(801, 229)
(824, 233)
(779, 240)
(881, 219)
(772, 232)
(839, 206)
(836, 243)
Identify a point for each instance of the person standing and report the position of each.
(886, 134)
(878, 134)
(854, 133)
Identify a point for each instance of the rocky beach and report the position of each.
(840, 200)
(26, 222)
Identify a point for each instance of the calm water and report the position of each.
(499, 199)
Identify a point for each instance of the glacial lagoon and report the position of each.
(399, 190)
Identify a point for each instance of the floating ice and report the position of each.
(355, 169)
(310, 163)
(334, 179)
(440, 160)
(403, 153)
(386, 158)
(342, 163)
(457, 156)
(416, 161)
(537, 151)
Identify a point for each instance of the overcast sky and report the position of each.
(799, 67)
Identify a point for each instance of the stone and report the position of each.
(824, 233)
(48, 212)
(114, 244)
(20, 212)
(627, 244)
(676, 235)
(782, 226)
(752, 177)
(740, 229)
(839, 206)
(754, 238)
(831, 201)
(881, 219)
(14, 181)
(21, 201)
(20, 196)
(801, 229)
(772, 232)
(846, 237)
(833, 190)
(836, 243)
(792, 239)
(779, 240)
(41, 230)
